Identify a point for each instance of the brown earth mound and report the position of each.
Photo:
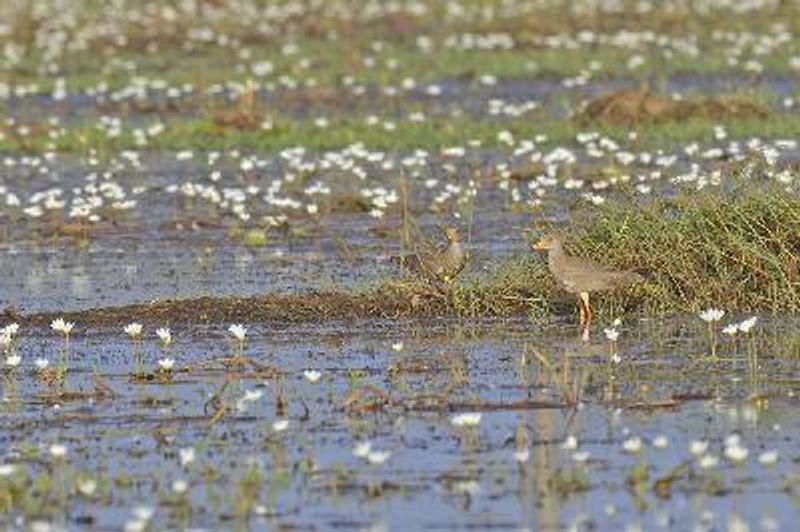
(305, 307)
(632, 106)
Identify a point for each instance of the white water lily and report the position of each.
(708, 461)
(580, 457)
(736, 453)
(238, 331)
(58, 450)
(712, 314)
(61, 326)
(312, 375)
(166, 364)
(467, 487)
(747, 325)
(768, 458)
(187, 456)
(253, 395)
(134, 330)
(280, 425)
(165, 335)
(362, 449)
(378, 457)
(143, 513)
(180, 486)
(7, 470)
(250, 396)
(467, 419)
(87, 487)
(522, 455)
(612, 334)
(12, 361)
(570, 444)
(397, 346)
(698, 447)
(632, 445)
(660, 442)
(41, 363)
(731, 329)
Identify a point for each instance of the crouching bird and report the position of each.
(443, 264)
(582, 276)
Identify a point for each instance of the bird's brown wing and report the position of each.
(586, 275)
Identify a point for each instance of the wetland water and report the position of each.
(621, 458)
(236, 177)
(567, 438)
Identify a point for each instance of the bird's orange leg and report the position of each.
(587, 308)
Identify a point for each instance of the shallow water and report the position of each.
(395, 384)
(460, 95)
(438, 475)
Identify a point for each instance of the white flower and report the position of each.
(180, 486)
(166, 364)
(134, 330)
(252, 395)
(660, 442)
(747, 325)
(736, 453)
(10, 330)
(522, 455)
(238, 331)
(712, 314)
(733, 440)
(362, 449)
(570, 444)
(87, 487)
(164, 335)
(467, 487)
(58, 450)
(467, 419)
(64, 327)
(632, 445)
(731, 329)
(280, 425)
(611, 334)
(378, 457)
(312, 375)
(616, 359)
(707, 461)
(580, 457)
(7, 469)
(397, 346)
(13, 361)
(143, 513)
(41, 363)
(187, 456)
(698, 447)
(768, 458)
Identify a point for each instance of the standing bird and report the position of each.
(582, 276)
(441, 265)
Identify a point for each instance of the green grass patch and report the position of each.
(204, 134)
